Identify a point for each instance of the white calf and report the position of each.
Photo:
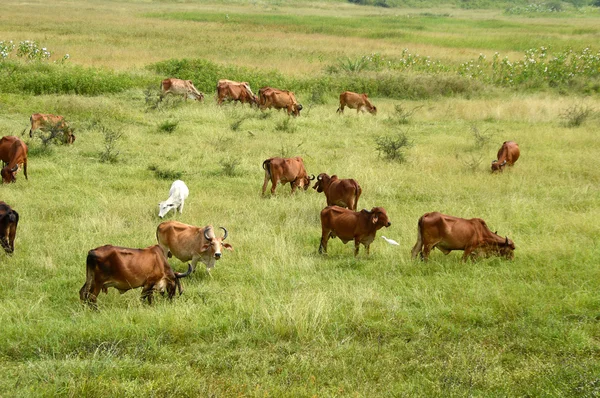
(177, 195)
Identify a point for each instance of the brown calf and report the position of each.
(343, 193)
(180, 87)
(507, 154)
(233, 91)
(360, 102)
(47, 121)
(279, 99)
(9, 219)
(286, 170)
(13, 152)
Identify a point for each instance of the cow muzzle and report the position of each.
(218, 256)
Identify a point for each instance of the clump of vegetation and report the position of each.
(401, 114)
(290, 150)
(393, 147)
(228, 167)
(576, 115)
(472, 162)
(110, 153)
(237, 123)
(28, 50)
(482, 139)
(166, 174)
(168, 126)
(535, 8)
(155, 102)
(286, 125)
(53, 133)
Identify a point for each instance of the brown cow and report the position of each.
(350, 225)
(180, 87)
(187, 242)
(507, 154)
(125, 269)
(13, 152)
(9, 219)
(360, 102)
(47, 122)
(279, 99)
(343, 193)
(449, 233)
(286, 170)
(234, 91)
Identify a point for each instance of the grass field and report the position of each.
(276, 318)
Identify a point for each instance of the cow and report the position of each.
(124, 269)
(180, 87)
(9, 219)
(361, 226)
(13, 153)
(234, 91)
(286, 170)
(507, 154)
(449, 233)
(279, 99)
(343, 193)
(360, 102)
(187, 242)
(177, 196)
(48, 122)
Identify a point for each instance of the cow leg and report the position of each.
(264, 188)
(357, 246)
(25, 169)
(340, 109)
(147, 293)
(324, 238)
(273, 186)
(417, 248)
(180, 208)
(466, 254)
(426, 251)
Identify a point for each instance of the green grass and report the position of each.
(276, 318)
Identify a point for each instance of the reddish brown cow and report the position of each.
(234, 91)
(47, 121)
(13, 152)
(187, 242)
(279, 99)
(507, 154)
(360, 102)
(125, 269)
(180, 87)
(350, 225)
(343, 193)
(9, 219)
(449, 233)
(286, 170)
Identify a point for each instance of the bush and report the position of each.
(109, 154)
(575, 115)
(228, 167)
(392, 148)
(166, 174)
(168, 126)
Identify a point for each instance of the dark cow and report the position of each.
(507, 154)
(9, 219)
(47, 122)
(125, 269)
(180, 87)
(360, 102)
(187, 242)
(234, 91)
(286, 170)
(449, 233)
(13, 153)
(343, 193)
(279, 99)
(350, 225)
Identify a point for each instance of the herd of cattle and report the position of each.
(126, 268)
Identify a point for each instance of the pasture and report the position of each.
(275, 318)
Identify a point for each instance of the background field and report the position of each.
(276, 318)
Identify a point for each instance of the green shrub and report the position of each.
(168, 126)
(228, 167)
(576, 115)
(109, 154)
(392, 148)
(163, 174)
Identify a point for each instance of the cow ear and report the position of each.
(374, 218)
(227, 246)
(204, 247)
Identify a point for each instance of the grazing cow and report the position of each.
(449, 233)
(177, 196)
(360, 102)
(286, 170)
(350, 225)
(187, 242)
(180, 87)
(47, 121)
(343, 193)
(13, 152)
(234, 91)
(125, 269)
(279, 99)
(9, 219)
(507, 154)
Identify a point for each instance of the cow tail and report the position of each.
(357, 193)
(267, 167)
(90, 263)
(418, 247)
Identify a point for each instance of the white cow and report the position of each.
(177, 195)
(180, 87)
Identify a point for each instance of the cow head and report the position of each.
(322, 180)
(373, 110)
(507, 249)
(165, 207)
(497, 166)
(214, 244)
(379, 217)
(304, 182)
(8, 174)
(296, 108)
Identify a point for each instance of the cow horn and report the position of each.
(225, 233)
(503, 163)
(205, 234)
(320, 177)
(187, 273)
(494, 161)
(506, 243)
(312, 177)
(14, 169)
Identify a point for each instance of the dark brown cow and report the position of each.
(48, 121)
(180, 87)
(449, 233)
(350, 225)
(187, 242)
(13, 152)
(507, 154)
(360, 102)
(279, 99)
(9, 219)
(234, 91)
(286, 170)
(125, 269)
(343, 193)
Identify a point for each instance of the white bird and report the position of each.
(391, 241)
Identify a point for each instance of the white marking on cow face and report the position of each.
(164, 208)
